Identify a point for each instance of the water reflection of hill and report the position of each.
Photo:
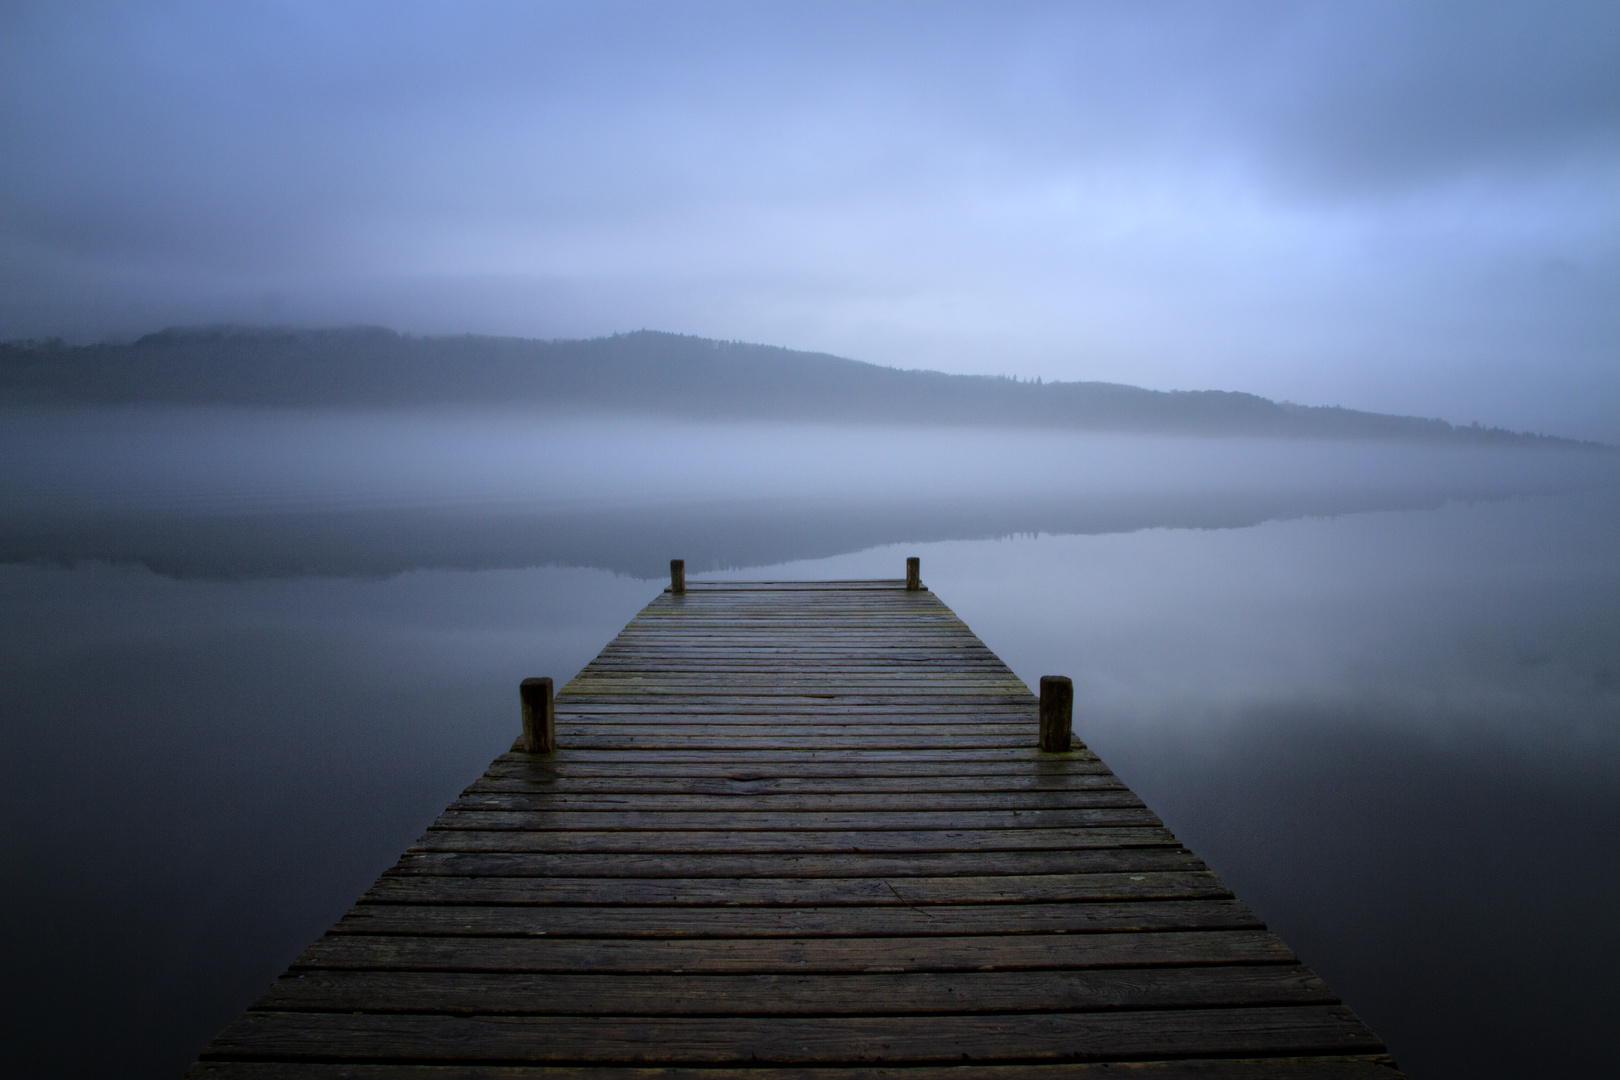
(638, 540)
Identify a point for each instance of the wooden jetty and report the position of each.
(801, 829)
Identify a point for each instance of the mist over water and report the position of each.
(216, 459)
(238, 492)
(251, 654)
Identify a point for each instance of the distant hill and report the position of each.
(646, 372)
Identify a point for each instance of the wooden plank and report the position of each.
(887, 841)
(795, 821)
(563, 765)
(635, 784)
(834, 659)
(948, 757)
(982, 691)
(662, 921)
(869, 665)
(574, 994)
(797, 716)
(871, 698)
(396, 887)
(863, 864)
(856, 664)
(850, 802)
(864, 703)
(1316, 1067)
(798, 1039)
(823, 955)
(651, 739)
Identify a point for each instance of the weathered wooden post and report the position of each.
(539, 716)
(1057, 713)
(913, 574)
(677, 576)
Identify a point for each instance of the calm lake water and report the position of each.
(250, 655)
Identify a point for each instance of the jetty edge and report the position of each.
(797, 830)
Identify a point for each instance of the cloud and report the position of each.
(1354, 203)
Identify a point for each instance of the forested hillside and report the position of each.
(645, 372)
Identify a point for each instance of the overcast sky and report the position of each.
(1405, 207)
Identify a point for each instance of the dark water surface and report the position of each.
(249, 656)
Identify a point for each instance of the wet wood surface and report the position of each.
(800, 830)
